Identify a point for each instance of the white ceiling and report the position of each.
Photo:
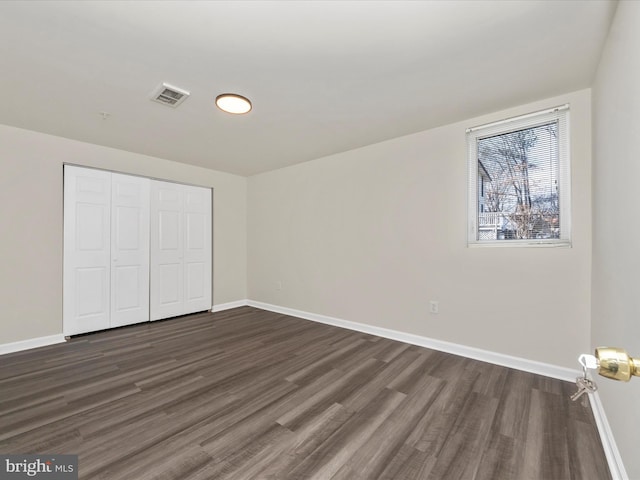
(324, 76)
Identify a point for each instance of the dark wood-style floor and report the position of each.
(249, 394)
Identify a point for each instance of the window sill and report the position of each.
(521, 244)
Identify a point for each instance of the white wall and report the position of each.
(371, 235)
(31, 224)
(616, 222)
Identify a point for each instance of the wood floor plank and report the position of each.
(247, 394)
(467, 438)
(337, 449)
(499, 460)
(386, 441)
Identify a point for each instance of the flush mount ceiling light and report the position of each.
(233, 103)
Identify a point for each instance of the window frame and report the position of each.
(522, 122)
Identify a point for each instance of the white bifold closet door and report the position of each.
(129, 249)
(180, 249)
(106, 250)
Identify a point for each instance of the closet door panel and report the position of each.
(197, 253)
(129, 250)
(167, 250)
(180, 249)
(87, 250)
(91, 294)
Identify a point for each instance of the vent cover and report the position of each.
(169, 95)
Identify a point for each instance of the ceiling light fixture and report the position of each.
(233, 103)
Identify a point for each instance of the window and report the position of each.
(519, 180)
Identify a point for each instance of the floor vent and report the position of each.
(169, 95)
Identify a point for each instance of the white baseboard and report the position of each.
(31, 343)
(609, 445)
(518, 363)
(226, 306)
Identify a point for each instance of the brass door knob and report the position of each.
(616, 363)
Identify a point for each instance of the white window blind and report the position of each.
(519, 180)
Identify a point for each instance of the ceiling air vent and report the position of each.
(169, 95)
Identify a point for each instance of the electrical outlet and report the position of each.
(279, 285)
(434, 307)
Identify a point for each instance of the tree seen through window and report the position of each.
(518, 175)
